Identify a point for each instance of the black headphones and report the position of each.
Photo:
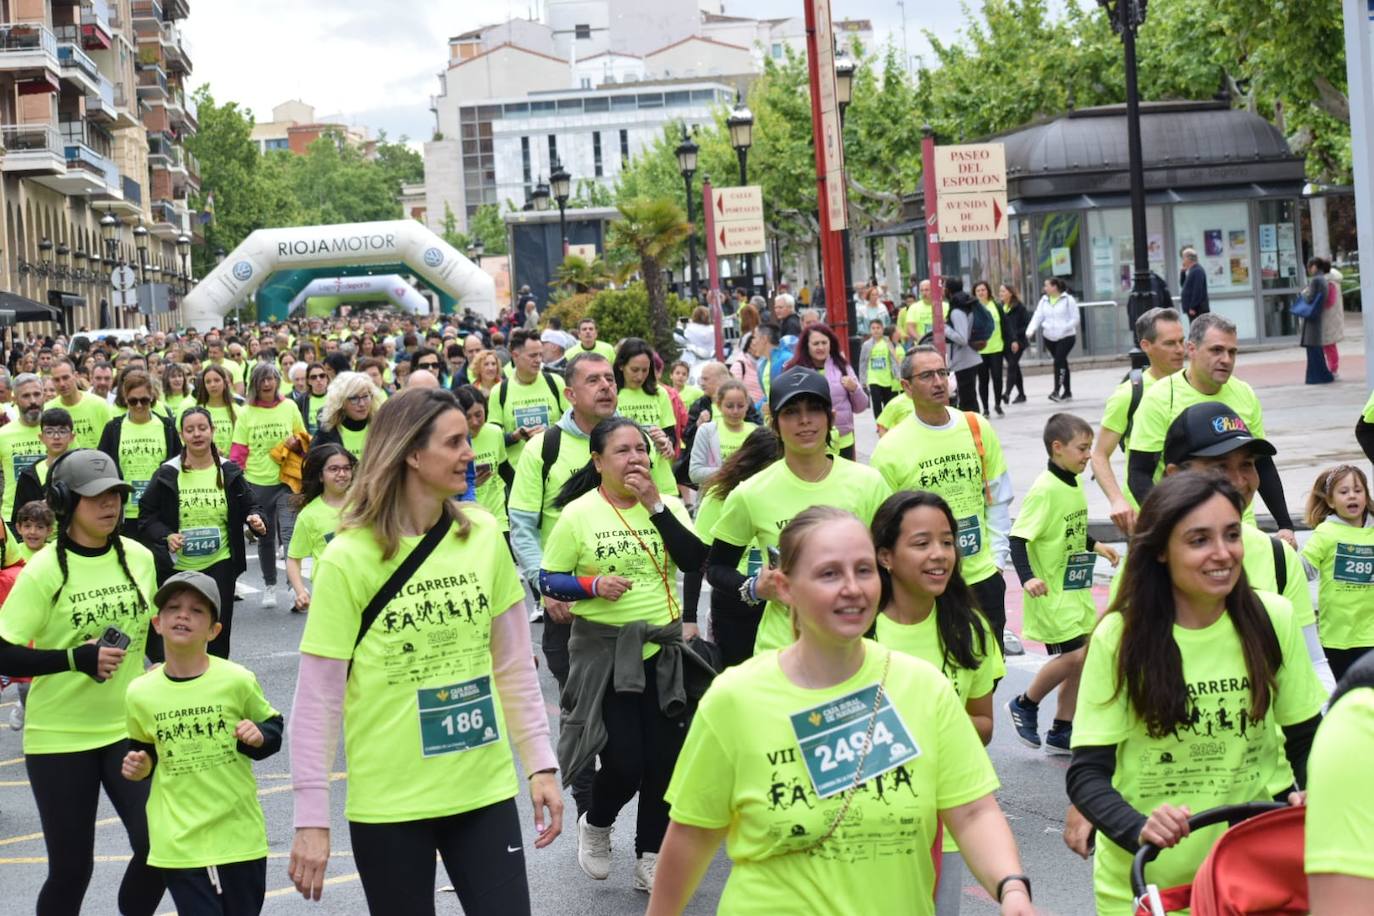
(61, 498)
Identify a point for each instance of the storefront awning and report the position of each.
(26, 309)
(1249, 191)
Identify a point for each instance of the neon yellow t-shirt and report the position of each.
(69, 711)
(897, 410)
(1340, 794)
(1344, 557)
(1054, 523)
(1222, 757)
(730, 440)
(600, 346)
(1115, 416)
(757, 510)
(312, 420)
(526, 406)
(490, 447)
(884, 364)
(922, 640)
(354, 440)
(708, 513)
(1368, 414)
(20, 447)
(647, 410)
(89, 416)
(429, 645)
(204, 517)
(263, 429)
(1162, 403)
(222, 425)
(995, 344)
(203, 809)
(744, 769)
(590, 539)
(316, 525)
(690, 394)
(914, 456)
(142, 450)
(175, 403)
(535, 487)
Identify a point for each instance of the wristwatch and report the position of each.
(746, 591)
(657, 507)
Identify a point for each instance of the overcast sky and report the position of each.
(376, 64)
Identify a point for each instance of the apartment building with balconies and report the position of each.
(76, 147)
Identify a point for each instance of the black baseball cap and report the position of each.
(794, 383)
(1208, 430)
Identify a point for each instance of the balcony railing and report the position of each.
(168, 211)
(152, 80)
(26, 38)
(81, 156)
(146, 9)
(31, 138)
(73, 58)
(163, 149)
(133, 191)
(101, 103)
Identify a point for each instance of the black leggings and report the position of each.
(967, 381)
(483, 854)
(66, 789)
(236, 889)
(641, 750)
(1341, 659)
(1059, 350)
(1015, 380)
(878, 396)
(990, 371)
(734, 626)
(992, 601)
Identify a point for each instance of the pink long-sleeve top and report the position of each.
(317, 714)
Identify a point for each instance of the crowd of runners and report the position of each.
(442, 488)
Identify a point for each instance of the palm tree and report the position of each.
(654, 229)
(579, 275)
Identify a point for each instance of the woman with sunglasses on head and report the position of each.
(614, 554)
(325, 478)
(138, 442)
(84, 604)
(829, 766)
(267, 421)
(192, 512)
(352, 402)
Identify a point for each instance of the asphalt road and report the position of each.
(265, 641)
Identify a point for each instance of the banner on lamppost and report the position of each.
(832, 140)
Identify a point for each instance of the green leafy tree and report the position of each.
(579, 275)
(334, 183)
(627, 312)
(400, 163)
(486, 224)
(654, 229)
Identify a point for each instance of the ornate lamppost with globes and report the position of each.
(687, 165)
(741, 124)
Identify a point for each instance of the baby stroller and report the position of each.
(1255, 867)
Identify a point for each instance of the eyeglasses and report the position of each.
(56, 431)
(359, 399)
(931, 375)
(428, 365)
(341, 469)
(138, 402)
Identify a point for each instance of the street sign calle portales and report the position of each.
(971, 192)
(737, 220)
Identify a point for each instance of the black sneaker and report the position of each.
(999, 410)
(1026, 721)
(1054, 396)
(1057, 740)
(1066, 396)
(1019, 399)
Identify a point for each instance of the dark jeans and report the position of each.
(483, 854)
(641, 750)
(1341, 659)
(1015, 380)
(967, 380)
(1059, 350)
(1318, 373)
(66, 789)
(554, 643)
(734, 626)
(236, 889)
(990, 371)
(878, 396)
(280, 518)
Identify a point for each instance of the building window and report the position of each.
(624, 147)
(596, 153)
(553, 151)
(525, 162)
(582, 31)
(586, 82)
(777, 50)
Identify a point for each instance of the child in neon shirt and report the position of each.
(35, 521)
(199, 720)
(1341, 549)
(1053, 554)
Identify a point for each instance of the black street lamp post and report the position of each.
(141, 243)
(687, 165)
(1126, 17)
(741, 124)
(561, 185)
(184, 249)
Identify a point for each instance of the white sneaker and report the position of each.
(1011, 645)
(269, 596)
(594, 850)
(17, 717)
(644, 871)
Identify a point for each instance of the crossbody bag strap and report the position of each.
(398, 578)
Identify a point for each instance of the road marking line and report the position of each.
(11, 762)
(283, 891)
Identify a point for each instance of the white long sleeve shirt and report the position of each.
(1058, 319)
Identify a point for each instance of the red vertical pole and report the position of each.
(832, 261)
(932, 208)
(713, 269)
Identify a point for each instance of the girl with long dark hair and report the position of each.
(614, 554)
(991, 368)
(215, 392)
(1189, 675)
(326, 475)
(193, 511)
(819, 349)
(927, 610)
(641, 398)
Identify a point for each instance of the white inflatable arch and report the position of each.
(402, 241)
(393, 287)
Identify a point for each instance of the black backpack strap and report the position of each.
(501, 394)
(1280, 564)
(398, 578)
(548, 454)
(1137, 379)
(550, 380)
